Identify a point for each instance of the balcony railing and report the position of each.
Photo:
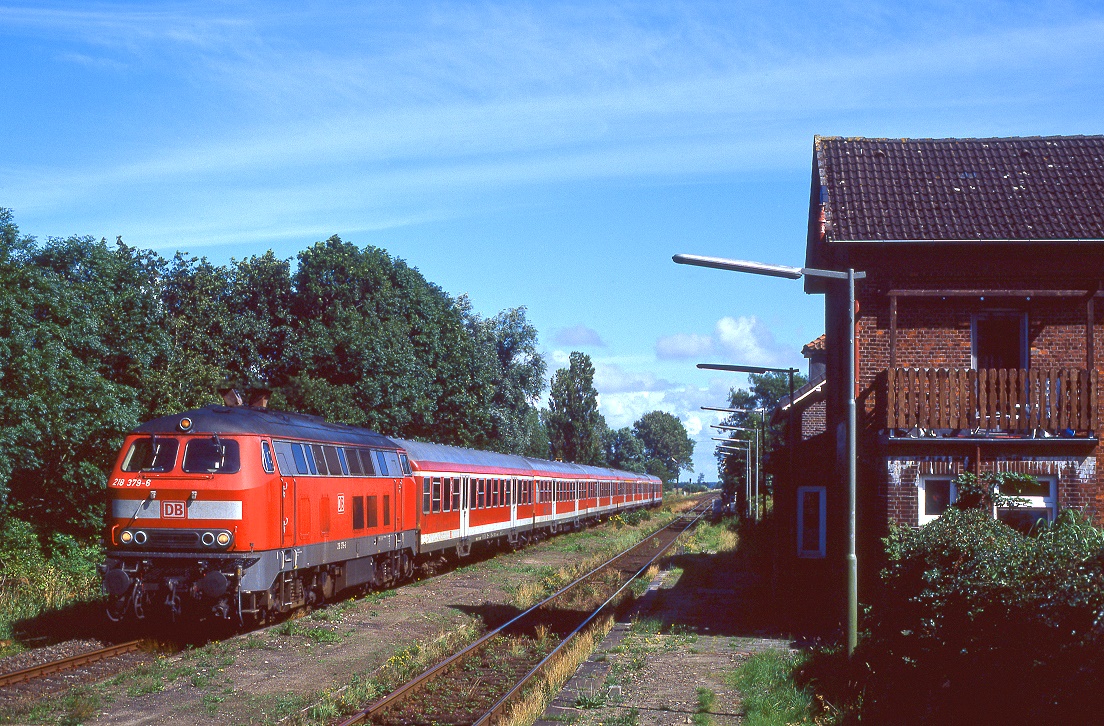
(1052, 400)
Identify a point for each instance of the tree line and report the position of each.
(96, 337)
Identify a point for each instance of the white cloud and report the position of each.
(738, 340)
(610, 378)
(746, 340)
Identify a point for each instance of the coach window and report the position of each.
(212, 456)
(471, 493)
(497, 493)
(481, 499)
(427, 495)
(386, 510)
(446, 498)
(352, 459)
(324, 515)
(149, 454)
(506, 492)
(266, 458)
(358, 512)
(456, 493)
(436, 494)
(373, 517)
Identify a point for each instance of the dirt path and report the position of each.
(665, 662)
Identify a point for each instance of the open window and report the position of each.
(1037, 501)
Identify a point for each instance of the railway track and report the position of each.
(64, 664)
(479, 683)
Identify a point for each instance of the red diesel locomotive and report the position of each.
(247, 512)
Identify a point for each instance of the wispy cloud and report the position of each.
(578, 335)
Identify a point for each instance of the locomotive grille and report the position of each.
(172, 539)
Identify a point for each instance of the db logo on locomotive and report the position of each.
(173, 510)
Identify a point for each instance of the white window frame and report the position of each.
(1025, 345)
(1050, 502)
(822, 511)
(922, 517)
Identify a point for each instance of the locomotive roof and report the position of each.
(421, 452)
(250, 420)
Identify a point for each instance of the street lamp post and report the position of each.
(850, 275)
(747, 468)
(758, 457)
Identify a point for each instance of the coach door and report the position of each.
(513, 484)
(465, 506)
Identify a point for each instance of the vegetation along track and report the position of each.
(73, 661)
(478, 683)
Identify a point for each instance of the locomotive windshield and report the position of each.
(151, 454)
(212, 456)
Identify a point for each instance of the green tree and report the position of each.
(667, 446)
(517, 378)
(623, 449)
(573, 422)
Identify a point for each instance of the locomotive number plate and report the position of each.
(173, 510)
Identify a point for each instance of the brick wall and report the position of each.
(897, 492)
(813, 420)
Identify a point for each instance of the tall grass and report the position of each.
(35, 579)
(770, 695)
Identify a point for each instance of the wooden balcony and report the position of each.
(1013, 401)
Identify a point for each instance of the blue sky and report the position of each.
(551, 155)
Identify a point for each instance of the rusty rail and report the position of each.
(63, 664)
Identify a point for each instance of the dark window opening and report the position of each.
(426, 495)
(386, 510)
(358, 512)
(353, 460)
(333, 463)
(320, 459)
(373, 517)
(998, 340)
(266, 458)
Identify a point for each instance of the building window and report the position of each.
(934, 494)
(812, 529)
(1037, 501)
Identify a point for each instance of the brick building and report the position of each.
(975, 330)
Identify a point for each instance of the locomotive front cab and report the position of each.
(178, 506)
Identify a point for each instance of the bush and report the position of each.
(978, 623)
(34, 578)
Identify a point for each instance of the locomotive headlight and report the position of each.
(126, 537)
(223, 538)
(140, 537)
(207, 538)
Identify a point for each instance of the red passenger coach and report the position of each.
(247, 512)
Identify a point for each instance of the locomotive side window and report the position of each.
(207, 457)
(352, 460)
(394, 468)
(405, 464)
(145, 455)
(311, 465)
(320, 459)
(381, 464)
(426, 495)
(373, 517)
(266, 458)
(436, 494)
(358, 512)
(367, 462)
(300, 459)
(333, 463)
(386, 510)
